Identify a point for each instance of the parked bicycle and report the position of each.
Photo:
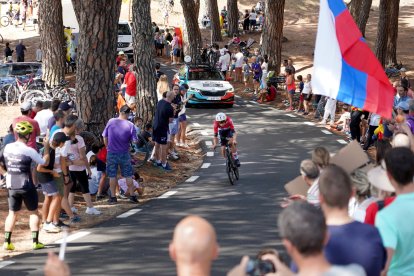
(13, 91)
(7, 19)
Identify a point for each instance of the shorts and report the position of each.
(80, 181)
(116, 160)
(130, 99)
(16, 197)
(301, 98)
(160, 137)
(252, 22)
(182, 118)
(224, 135)
(60, 183)
(308, 97)
(176, 52)
(246, 78)
(291, 92)
(173, 127)
(49, 188)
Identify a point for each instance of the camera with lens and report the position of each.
(258, 267)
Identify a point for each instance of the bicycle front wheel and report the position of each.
(34, 96)
(11, 94)
(4, 21)
(229, 170)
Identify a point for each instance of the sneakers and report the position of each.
(179, 144)
(156, 164)
(38, 245)
(184, 145)
(112, 200)
(167, 167)
(237, 162)
(173, 156)
(8, 246)
(63, 216)
(61, 224)
(74, 210)
(92, 211)
(323, 122)
(75, 219)
(133, 199)
(100, 197)
(51, 228)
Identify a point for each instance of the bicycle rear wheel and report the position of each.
(5, 21)
(229, 170)
(34, 96)
(11, 94)
(236, 171)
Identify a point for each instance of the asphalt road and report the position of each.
(271, 146)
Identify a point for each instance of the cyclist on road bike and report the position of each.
(224, 129)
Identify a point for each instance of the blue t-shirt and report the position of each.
(53, 130)
(356, 243)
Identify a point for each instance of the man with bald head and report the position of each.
(194, 246)
(164, 114)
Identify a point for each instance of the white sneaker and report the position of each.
(179, 144)
(51, 228)
(92, 211)
(174, 63)
(184, 145)
(323, 122)
(74, 210)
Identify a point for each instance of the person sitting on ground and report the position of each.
(236, 39)
(342, 124)
(146, 135)
(350, 241)
(395, 221)
(138, 124)
(194, 246)
(136, 181)
(304, 234)
(310, 173)
(268, 94)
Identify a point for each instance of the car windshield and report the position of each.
(4, 71)
(123, 29)
(203, 74)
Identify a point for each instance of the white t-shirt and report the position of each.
(72, 151)
(224, 61)
(239, 59)
(375, 119)
(252, 16)
(42, 117)
(307, 88)
(345, 270)
(312, 195)
(123, 185)
(265, 68)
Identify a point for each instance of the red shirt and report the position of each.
(131, 83)
(271, 95)
(36, 130)
(372, 210)
(226, 126)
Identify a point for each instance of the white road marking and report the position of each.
(249, 105)
(5, 263)
(188, 117)
(237, 96)
(192, 179)
(208, 143)
(204, 133)
(326, 131)
(253, 102)
(309, 123)
(196, 124)
(236, 105)
(129, 213)
(167, 194)
(210, 153)
(290, 115)
(205, 165)
(341, 141)
(75, 236)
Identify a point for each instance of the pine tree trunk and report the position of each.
(52, 41)
(143, 40)
(355, 8)
(382, 32)
(393, 32)
(232, 17)
(215, 20)
(364, 15)
(273, 33)
(193, 42)
(197, 6)
(98, 35)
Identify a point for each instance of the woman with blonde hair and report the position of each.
(321, 157)
(162, 86)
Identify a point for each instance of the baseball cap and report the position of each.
(125, 109)
(184, 87)
(60, 137)
(378, 178)
(403, 105)
(26, 106)
(65, 106)
(121, 53)
(403, 70)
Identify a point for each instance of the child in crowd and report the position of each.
(301, 97)
(246, 74)
(146, 134)
(343, 123)
(137, 182)
(138, 124)
(267, 94)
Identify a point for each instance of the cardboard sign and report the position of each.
(350, 157)
(297, 186)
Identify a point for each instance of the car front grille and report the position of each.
(213, 93)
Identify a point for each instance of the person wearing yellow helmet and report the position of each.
(18, 158)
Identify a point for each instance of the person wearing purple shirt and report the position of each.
(410, 116)
(257, 74)
(118, 134)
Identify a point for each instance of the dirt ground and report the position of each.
(300, 29)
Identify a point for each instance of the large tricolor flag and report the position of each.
(344, 66)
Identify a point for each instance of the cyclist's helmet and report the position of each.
(23, 128)
(221, 117)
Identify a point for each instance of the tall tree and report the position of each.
(364, 15)
(197, 6)
(232, 17)
(355, 8)
(192, 29)
(393, 31)
(52, 41)
(272, 34)
(143, 40)
(98, 35)
(215, 20)
(382, 32)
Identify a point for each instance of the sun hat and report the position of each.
(379, 179)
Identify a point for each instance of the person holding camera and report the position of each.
(182, 118)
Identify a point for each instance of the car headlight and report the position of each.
(194, 89)
(231, 90)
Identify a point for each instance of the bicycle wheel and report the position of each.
(34, 96)
(1, 39)
(2, 96)
(141, 156)
(11, 94)
(229, 170)
(4, 21)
